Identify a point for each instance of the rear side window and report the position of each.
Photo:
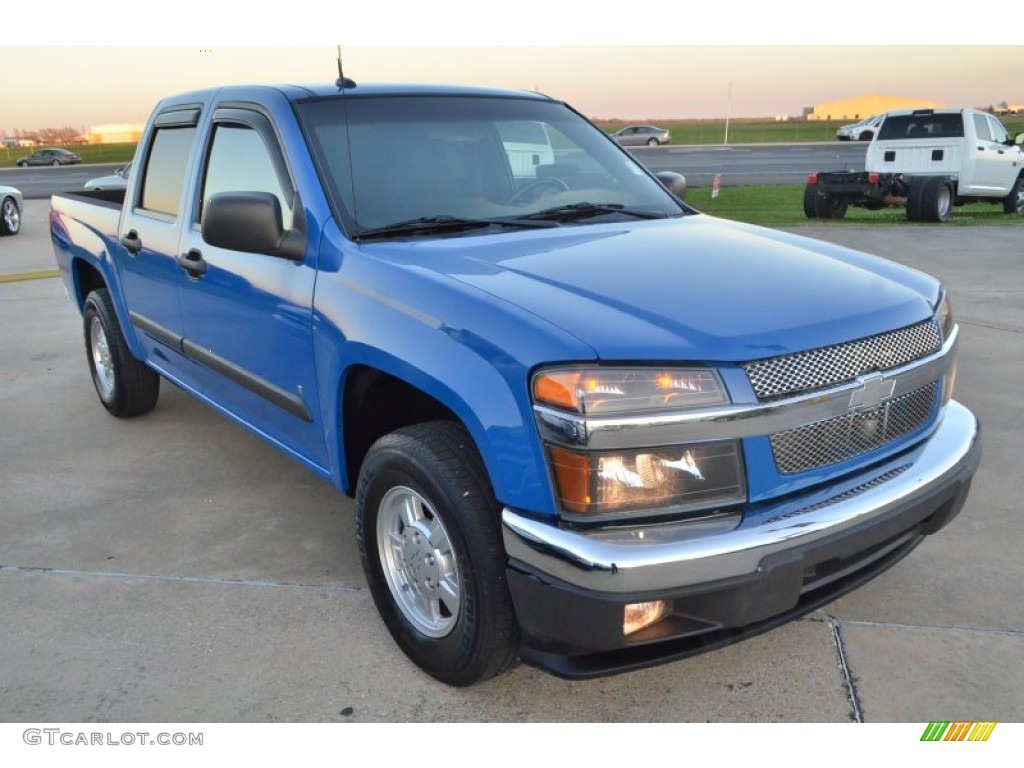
(164, 175)
(981, 126)
(925, 125)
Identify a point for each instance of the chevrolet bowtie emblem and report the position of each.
(872, 391)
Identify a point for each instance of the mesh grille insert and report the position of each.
(841, 438)
(838, 364)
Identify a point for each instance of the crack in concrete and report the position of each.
(940, 627)
(989, 327)
(177, 579)
(844, 667)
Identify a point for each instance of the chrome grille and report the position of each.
(831, 366)
(834, 440)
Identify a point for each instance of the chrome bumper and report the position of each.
(665, 557)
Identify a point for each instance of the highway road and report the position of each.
(739, 164)
(752, 164)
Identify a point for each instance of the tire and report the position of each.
(653, 142)
(810, 206)
(125, 385)
(10, 217)
(23, 164)
(930, 199)
(55, 163)
(866, 136)
(429, 537)
(828, 207)
(1013, 203)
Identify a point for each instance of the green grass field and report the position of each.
(784, 206)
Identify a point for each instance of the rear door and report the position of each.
(248, 317)
(150, 231)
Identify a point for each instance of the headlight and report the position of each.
(639, 480)
(944, 316)
(600, 391)
(946, 322)
(662, 480)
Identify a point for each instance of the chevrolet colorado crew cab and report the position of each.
(584, 425)
(927, 161)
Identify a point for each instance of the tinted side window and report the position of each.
(239, 162)
(925, 125)
(165, 170)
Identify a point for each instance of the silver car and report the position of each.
(117, 180)
(865, 130)
(10, 210)
(642, 135)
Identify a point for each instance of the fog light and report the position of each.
(639, 616)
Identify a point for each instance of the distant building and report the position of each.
(864, 106)
(18, 142)
(116, 133)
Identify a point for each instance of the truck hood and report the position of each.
(697, 288)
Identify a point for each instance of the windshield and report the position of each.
(413, 166)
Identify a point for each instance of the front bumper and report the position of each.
(728, 578)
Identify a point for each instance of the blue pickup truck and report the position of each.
(584, 425)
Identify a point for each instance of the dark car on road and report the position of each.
(640, 135)
(51, 156)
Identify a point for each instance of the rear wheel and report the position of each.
(810, 206)
(55, 163)
(10, 217)
(1014, 202)
(828, 207)
(429, 537)
(653, 142)
(930, 199)
(126, 386)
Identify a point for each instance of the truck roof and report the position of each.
(299, 91)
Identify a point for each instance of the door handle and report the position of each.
(193, 263)
(131, 242)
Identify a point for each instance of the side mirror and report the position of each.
(673, 182)
(250, 222)
(1019, 139)
(119, 172)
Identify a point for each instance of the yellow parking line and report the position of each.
(18, 277)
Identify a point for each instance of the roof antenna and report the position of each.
(342, 81)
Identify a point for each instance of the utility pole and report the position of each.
(728, 113)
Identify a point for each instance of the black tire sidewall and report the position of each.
(95, 307)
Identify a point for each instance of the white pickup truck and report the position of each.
(927, 161)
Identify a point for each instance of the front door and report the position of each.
(248, 317)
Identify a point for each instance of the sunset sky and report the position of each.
(650, 65)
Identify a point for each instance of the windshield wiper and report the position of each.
(436, 225)
(576, 211)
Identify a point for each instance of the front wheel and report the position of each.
(55, 163)
(429, 537)
(1013, 203)
(653, 143)
(126, 386)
